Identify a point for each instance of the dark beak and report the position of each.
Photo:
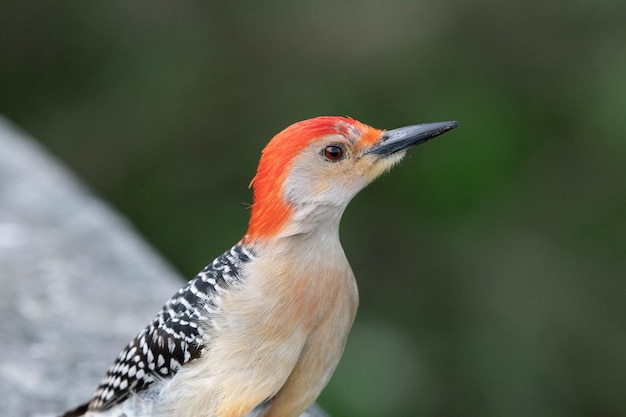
(403, 138)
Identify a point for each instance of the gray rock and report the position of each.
(77, 283)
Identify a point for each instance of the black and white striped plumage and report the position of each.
(174, 337)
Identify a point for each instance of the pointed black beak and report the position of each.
(396, 140)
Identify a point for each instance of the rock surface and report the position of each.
(77, 283)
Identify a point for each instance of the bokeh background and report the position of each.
(491, 262)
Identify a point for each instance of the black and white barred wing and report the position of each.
(156, 353)
(175, 337)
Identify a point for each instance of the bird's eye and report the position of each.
(333, 153)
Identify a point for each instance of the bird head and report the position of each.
(310, 171)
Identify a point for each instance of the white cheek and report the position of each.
(299, 187)
(339, 193)
(300, 190)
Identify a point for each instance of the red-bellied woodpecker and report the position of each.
(260, 330)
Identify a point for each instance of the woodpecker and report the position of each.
(260, 330)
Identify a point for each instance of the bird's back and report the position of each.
(176, 336)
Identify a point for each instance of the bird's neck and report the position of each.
(315, 221)
(311, 234)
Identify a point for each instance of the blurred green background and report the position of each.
(491, 262)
